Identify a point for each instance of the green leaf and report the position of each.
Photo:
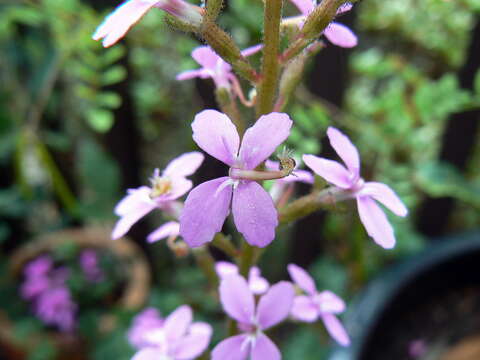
(113, 75)
(99, 119)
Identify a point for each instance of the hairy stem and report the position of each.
(270, 65)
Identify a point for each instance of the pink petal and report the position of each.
(336, 329)
(189, 74)
(271, 310)
(304, 309)
(184, 165)
(261, 140)
(340, 35)
(171, 228)
(332, 171)
(257, 284)
(179, 187)
(177, 323)
(264, 349)
(232, 349)
(302, 279)
(149, 353)
(134, 201)
(237, 299)
(345, 149)
(205, 211)
(254, 213)
(116, 25)
(124, 224)
(252, 50)
(384, 194)
(375, 222)
(330, 302)
(215, 133)
(225, 268)
(344, 8)
(194, 344)
(206, 57)
(305, 6)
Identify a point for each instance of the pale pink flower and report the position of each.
(208, 205)
(172, 338)
(165, 189)
(56, 307)
(214, 67)
(90, 264)
(257, 284)
(37, 279)
(144, 323)
(336, 33)
(317, 305)
(280, 185)
(348, 179)
(117, 24)
(239, 303)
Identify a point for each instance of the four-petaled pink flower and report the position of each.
(336, 33)
(317, 305)
(257, 284)
(117, 24)
(213, 66)
(239, 303)
(208, 205)
(172, 338)
(165, 189)
(371, 215)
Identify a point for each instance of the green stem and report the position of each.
(270, 65)
(223, 243)
(247, 258)
(312, 202)
(228, 105)
(206, 262)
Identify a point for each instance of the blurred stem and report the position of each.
(312, 202)
(228, 106)
(222, 242)
(59, 184)
(207, 264)
(247, 258)
(231, 327)
(270, 65)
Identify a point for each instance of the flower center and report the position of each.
(160, 186)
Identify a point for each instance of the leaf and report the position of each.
(99, 119)
(113, 75)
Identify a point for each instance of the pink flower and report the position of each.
(166, 188)
(213, 66)
(315, 305)
(336, 33)
(174, 338)
(56, 307)
(208, 205)
(37, 279)
(281, 185)
(89, 263)
(239, 303)
(116, 25)
(371, 215)
(40, 266)
(257, 284)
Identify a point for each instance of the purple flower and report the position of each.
(208, 205)
(37, 279)
(336, 33)
(239, 303)
(175, 338)
(257, 284)
(164, 190)
(144, 323)
(116, 25)
(213, 66)
(281, 185)
(90, 265)
(324, 305)
(38, 267)
(371, 215)
(55, 307)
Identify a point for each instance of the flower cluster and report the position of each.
(45, 287)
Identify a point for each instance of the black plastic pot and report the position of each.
(427, 307)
